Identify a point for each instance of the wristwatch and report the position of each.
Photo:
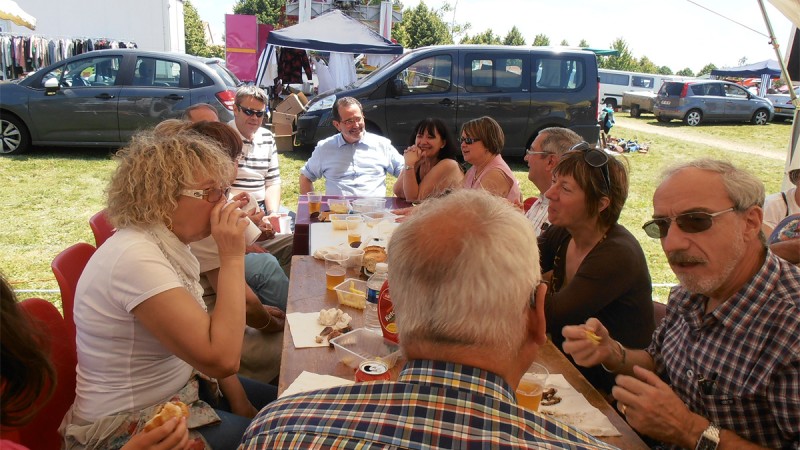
(407, 167)
(709, 440)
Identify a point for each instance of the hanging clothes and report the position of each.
(291, 63)
(343, 69)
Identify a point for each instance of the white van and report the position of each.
(613, 83)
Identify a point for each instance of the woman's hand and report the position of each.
(228, 223)
(412, 155)
(172, 435)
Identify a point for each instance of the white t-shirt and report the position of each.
(537, 214)
(775, 207)
(121, 365)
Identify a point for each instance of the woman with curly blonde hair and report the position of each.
(143, 333)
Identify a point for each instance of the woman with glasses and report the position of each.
(144, 335)
(430, 163)
(595, 266)
(482, 141)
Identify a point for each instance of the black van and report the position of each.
(525, 89)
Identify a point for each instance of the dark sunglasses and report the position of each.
(466, 140)
(692, 222)
(595, 158)
(249, 112)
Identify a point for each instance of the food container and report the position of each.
(339, 205)
(374, 218)
(352, 292)
(363, 205)
(361, 344)
(339, 221)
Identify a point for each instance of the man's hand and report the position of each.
(653, 408)
(581, 343)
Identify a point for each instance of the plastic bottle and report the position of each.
(374, 285)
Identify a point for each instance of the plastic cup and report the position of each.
(335, 270)
(354, 230)
(531, 386)
(284, 224)
(314, 202)
(354, 261)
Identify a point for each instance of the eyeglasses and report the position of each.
(531, 152)
(211, 195)
(466, 140)
(249, 112)
(691, 222)
(352, 121)
(595, 158)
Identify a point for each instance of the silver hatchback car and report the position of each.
(102, 98)
(696, 102)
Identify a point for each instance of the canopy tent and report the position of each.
(755, 70)
(333, 31)
(10, 10)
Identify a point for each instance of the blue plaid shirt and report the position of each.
(433, 404)
(751, 344)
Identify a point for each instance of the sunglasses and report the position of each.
(249, 112)
(595, 158)
(692, 222)
(211, 195)
(466, 140)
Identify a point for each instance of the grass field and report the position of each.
(50, 194)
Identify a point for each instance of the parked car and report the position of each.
(784, 108)
(525, 89)
(102, 98)
(638, 102)
(696, 102)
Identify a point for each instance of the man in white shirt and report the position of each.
(353, 162)
(542, 157)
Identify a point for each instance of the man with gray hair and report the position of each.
(457, 387)
(542, 157)
(723, 368)
(200, 112)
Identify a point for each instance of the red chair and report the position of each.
(101, 228)
(42, 431)
(526, 205)
(68, 267)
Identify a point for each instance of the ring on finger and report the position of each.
(622, 408)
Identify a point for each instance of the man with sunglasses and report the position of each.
(353, 162)
(542, 157)
(723, 368)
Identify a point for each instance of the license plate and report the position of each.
(777, 110)
(666, 102)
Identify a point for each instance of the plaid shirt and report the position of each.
(433, 404)
(751, 343)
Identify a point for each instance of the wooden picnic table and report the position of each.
(307, 293)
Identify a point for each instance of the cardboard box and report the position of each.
(292, 105)
(282, 123)
(303, 98)
(282, 129)
(284, 143)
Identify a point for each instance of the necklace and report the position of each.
(478, 173)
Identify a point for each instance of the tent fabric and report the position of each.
(333, 31)
(755, 70)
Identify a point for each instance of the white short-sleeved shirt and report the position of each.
(121, 365)
(775, 209)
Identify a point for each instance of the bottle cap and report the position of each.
(381, 267)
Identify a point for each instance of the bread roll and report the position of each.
(372, 256)
(167, 411)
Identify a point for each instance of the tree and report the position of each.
(664, 70)
(564, 43)
(541, 40)
(422, 26)
(647, 66)
(266, 11)
(685, 72)
(583, 44)
(623, 60)
(487, 37)
(706, 69)
(195, 36)
(514, 37)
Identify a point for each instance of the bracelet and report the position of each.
(622, 363)
(269, 321)
(407, 167)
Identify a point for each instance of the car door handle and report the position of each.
(174, 97)
(104, 96)
(446, 102)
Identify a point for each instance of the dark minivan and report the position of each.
(525, 89)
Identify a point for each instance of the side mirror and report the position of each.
(51, 86)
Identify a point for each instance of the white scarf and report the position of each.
(181, 259)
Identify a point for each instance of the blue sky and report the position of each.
(675, 33)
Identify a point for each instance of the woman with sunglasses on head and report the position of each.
(596, 267)
(430, 162)
(482, 140)
(144, 335)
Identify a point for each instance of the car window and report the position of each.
(561, 74)
(675, 89)
(157, 72)
(86, 72)
(642, 82)
(614, 78)
(494, 74)
(226, 75)
(199, 79)
(731, 90)
(426, 76)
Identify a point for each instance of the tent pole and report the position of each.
(792, 153)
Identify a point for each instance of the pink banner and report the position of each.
(241, 45)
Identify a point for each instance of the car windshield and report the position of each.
(372, 77)
(227, 76)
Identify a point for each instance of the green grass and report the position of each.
(50, 194)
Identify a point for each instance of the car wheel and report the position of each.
(760, 117)
(693, 118)
(663, 119)
(635, 111)
(14, 135)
